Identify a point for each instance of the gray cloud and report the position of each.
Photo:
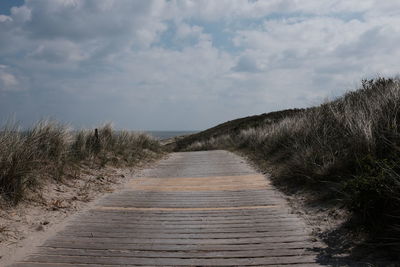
(246, 64)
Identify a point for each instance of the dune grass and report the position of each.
(347, 149)
(49, 149)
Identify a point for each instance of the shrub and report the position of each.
(27, 157)
(16, 161)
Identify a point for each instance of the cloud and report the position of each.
(246, 64)
(21, 14)
(185, 30)
(4, 18)
(187, 64)
(8, 81)
(59, 51)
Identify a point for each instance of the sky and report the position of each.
(186, 65)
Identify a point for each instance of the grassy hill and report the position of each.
(346, 151)
(234, 127)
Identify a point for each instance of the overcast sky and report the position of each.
(186, 65)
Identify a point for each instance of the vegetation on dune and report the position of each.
(50, 149)
(347, 150)
(231, 128)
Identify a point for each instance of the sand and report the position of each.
(50, 206)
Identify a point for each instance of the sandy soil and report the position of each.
(47, 209)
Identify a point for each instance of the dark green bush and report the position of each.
(374, 194)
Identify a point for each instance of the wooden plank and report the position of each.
(201, 225)
(182, 216)
(127, 207)
(175, 247)
(175, 254)
(173, 261)
(182, 203)
(127, 195)
(189, 220)
(181, 235)
(123, 222)
(32, 264)
(226, 212)
(182, 241)
(43, 264)
(178, 230)
(196, 195)
(181, 230)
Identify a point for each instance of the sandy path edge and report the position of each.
(32, 237)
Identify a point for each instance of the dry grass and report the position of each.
(346, 150)
(52, 150)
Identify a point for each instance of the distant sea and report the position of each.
(168, 134)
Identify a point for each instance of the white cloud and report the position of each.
(189, 64)
(8, 81)
(4, 18)
(185, 30)
(337, 53)
(21, 14)
(59, 51)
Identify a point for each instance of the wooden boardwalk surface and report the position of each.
(193, 209)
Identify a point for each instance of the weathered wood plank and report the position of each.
(176, 254)
(175, 247)
(180, 235)
(32, 264)
(188, 213)
(182, 241)
(184, 217)
(173, 261)
(215, 204)
(182, 230)
(227, 220)
(132, 224)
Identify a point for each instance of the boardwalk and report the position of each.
(194, 209)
